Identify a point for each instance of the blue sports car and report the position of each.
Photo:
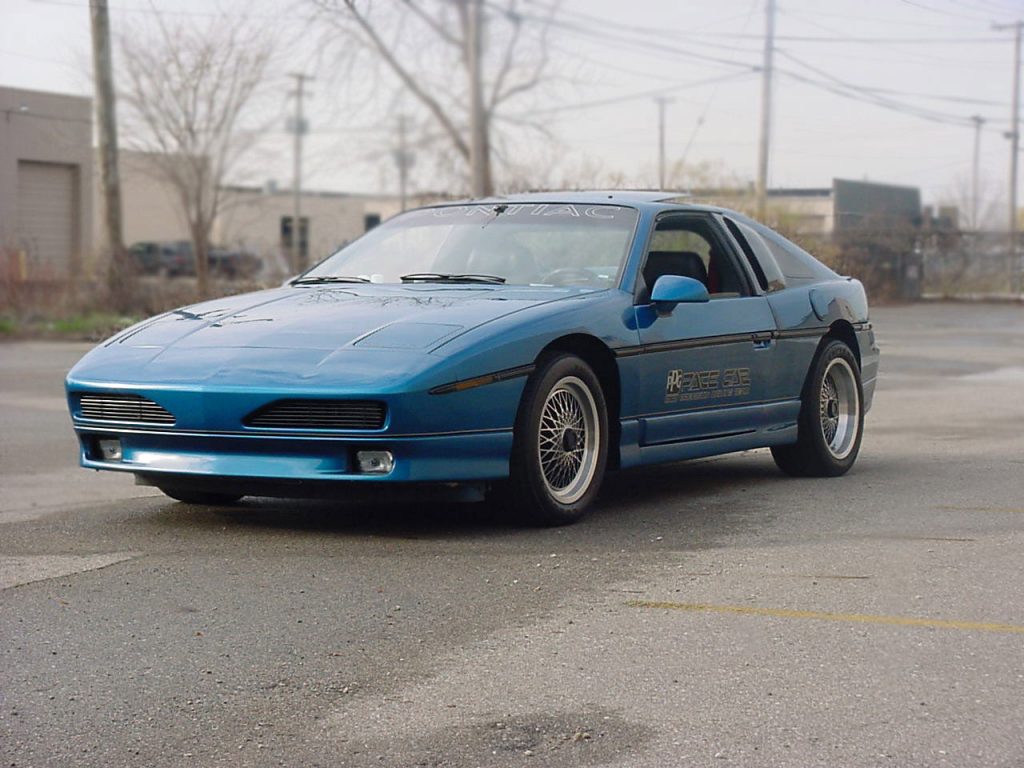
(517, 346)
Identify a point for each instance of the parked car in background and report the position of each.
(167, 259)
(514, 346)
(234, 264)
(175, 258)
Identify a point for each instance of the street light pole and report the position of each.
(979, 121)
(118, 269)
(404, 160)
(479, 147)
(299, 128)
(766, 110)
(1014, 136)
(661, 101)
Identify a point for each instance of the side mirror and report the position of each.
(670, 290)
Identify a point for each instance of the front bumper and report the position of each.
(448, 457)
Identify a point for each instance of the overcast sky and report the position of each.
(934, 62)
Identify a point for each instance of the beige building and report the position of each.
(46, 168)
(809, 211)
(260, 221)
(253, 219)
(823, 211)
(50, 216)
(149, 209)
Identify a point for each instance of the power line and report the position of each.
(836, 86)
(952, 14)
(638, 96)
(887, 22)
(707, 107)
(850, 90)
(696, 38)
(911, 55)
(643, 45)
(891, 91)
(875, 40)
(155, 11)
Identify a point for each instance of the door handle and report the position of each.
(761, 340)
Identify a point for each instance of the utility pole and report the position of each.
(979, 121)
(404, 161)
(1014, 137)
(766, 110)
(299, 127)
(118, 269)
(479, 150)
(661, 102)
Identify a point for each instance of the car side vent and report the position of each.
(121, 408)
(320, 414)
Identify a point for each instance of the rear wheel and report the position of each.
(831, 421)
(200, 497)
(560, 447)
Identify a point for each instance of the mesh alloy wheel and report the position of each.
(567, 440)
(560, 443)
(839, 408)
(831, 420)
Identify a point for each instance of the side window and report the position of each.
(691, 246)
(793, 260)
(759, 255)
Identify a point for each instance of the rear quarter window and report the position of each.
(794, 261)
(759, 255)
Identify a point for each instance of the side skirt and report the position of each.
(712, 446)
(680, 436)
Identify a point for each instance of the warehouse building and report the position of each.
(50, 225)
(46, 167)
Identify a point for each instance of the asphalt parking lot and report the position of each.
(707, 613)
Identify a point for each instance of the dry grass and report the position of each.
(66, 310)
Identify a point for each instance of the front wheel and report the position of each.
(560, 445)
(831, 421)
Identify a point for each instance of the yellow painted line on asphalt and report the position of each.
(857, 618)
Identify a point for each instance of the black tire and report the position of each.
(831, 421)
(201, 497)
(560, 444)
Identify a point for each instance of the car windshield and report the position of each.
(539, 244)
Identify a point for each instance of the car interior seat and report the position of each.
(682, 263)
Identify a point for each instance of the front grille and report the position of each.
(123, 408)
(320, 414)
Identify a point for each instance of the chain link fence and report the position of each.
(969, 265)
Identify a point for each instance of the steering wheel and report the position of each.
(569, 275)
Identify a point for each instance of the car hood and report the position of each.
(310, 335)
(416, 317)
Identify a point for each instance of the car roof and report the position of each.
(591, 197)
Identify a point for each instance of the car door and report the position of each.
(704, 367)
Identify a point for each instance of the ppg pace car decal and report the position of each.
(683, 386)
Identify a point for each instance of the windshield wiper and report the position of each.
(313, 280)
(442, 277)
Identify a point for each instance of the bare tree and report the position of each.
(990, 206)
(186, 87)
(499, 52)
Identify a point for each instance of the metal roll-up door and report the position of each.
(47, 217)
